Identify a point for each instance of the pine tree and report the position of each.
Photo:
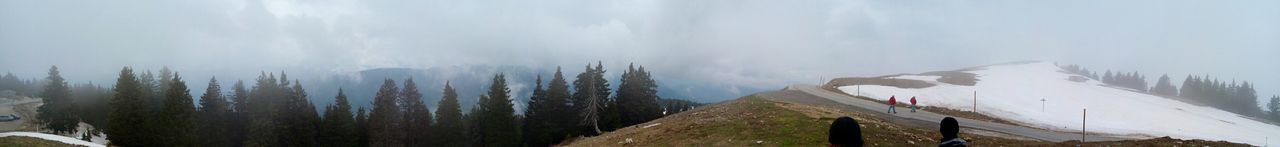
(238, 118)
(417, 120)
(239, 97)
(127, 123)
(384, 122)
(12, 83)
(92, 106)
(261, 127)
(338, 126)
(637, 97)
(535, 125)
(1164, 87)
(177, 116)
(1108, 78)
(214, 117)
(58, 112)
(299, 121)
(152, 93)
(162, 84)
(1191, 87)
(549, 117)
(589, 98)
(497, 120)
(1274, 107)
(562, 118)
(362, 128)
(449, 125)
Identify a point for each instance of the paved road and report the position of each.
(815, 95)
(6, 108)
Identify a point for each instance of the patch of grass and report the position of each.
(955, 77)
(757, 120)
(23, 141)
(882, 81)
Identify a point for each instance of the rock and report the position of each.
(911, 142)
(627, 141)
(759, 141)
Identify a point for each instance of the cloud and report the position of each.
(753, 43)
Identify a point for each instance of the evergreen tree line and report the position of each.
(1076, 69)
(1239, 98)
(146, 109)
(65, 106)
(11, 85)
(673, 106)
(1132, 80)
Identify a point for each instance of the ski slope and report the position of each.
(63, 139)
(1013, 92)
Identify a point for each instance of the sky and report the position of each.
(765, 43)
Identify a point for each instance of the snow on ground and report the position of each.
(1013, 92)
(63, 139)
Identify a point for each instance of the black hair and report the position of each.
(950, 128)
(845, 132)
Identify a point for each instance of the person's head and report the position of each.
(845, 132)
(950, 128)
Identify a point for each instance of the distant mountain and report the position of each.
(471, 81)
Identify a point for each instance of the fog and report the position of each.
(757, 43)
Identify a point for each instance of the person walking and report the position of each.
(913, 104)
(844, 132)
(892, 103)
(950, 130)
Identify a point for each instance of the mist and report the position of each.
(751, 43)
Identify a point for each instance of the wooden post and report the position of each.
(975, 101)
(1083, 121)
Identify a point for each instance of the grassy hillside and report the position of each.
(753, 121)
(23, 141)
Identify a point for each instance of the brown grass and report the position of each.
(955, 77)
(23, 141)
(749, 120)
(900, 83)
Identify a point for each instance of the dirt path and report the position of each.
(814, 95)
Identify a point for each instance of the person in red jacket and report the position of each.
(913, 104)
(892, 103)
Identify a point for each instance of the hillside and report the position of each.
(767, 120)
(1014, 92)
(41, 139)
(754, 120)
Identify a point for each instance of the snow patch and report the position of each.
(63, 139)
(1014, 92)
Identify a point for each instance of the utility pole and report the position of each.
(1083, 120)
(1042, 105)
(820, 81)
(975, 101)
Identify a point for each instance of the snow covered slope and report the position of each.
(1014, 91)
(63, 139)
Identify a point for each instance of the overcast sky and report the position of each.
(746, 42)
